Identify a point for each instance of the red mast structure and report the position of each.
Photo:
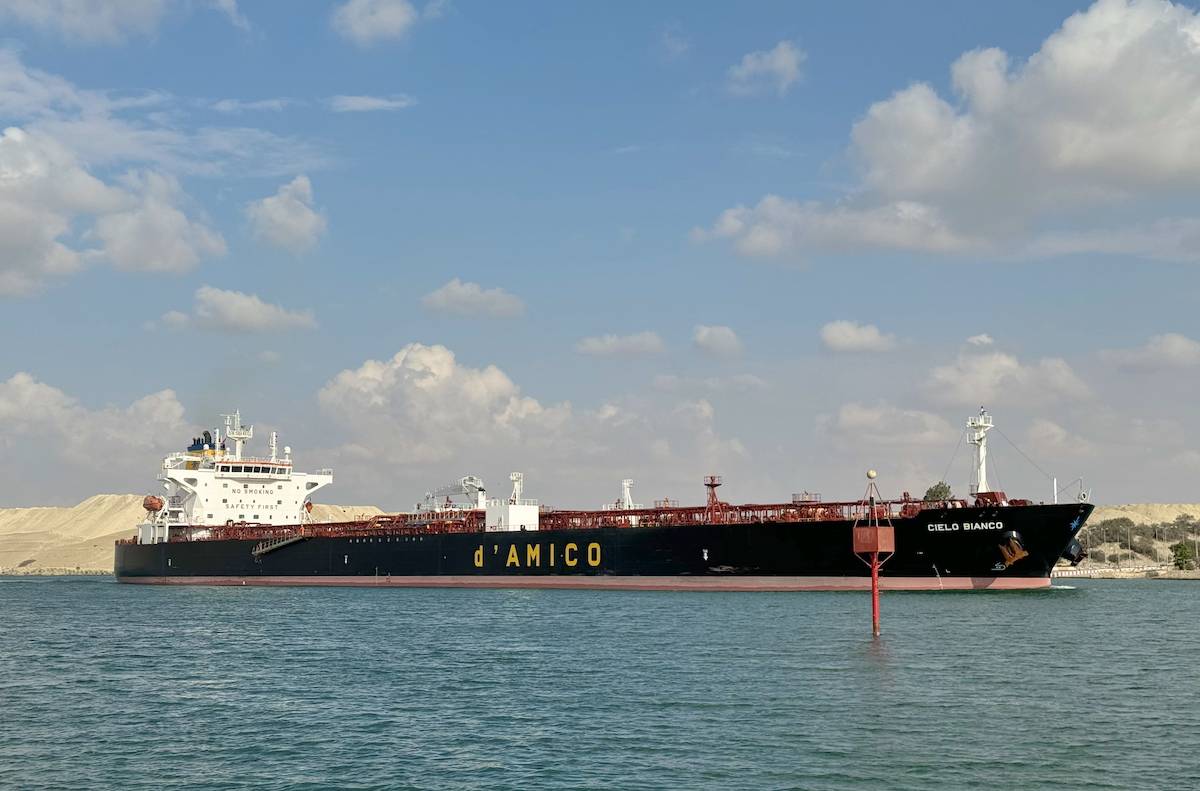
(872, 539)
(715, 509)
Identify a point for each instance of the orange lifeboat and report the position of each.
(308, 506)
(152, 503)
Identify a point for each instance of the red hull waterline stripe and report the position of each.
(624, 583)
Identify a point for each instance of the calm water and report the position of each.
(112, 686)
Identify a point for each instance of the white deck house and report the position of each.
(213, 484)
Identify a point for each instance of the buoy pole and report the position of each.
(875, 594)
(870, 539)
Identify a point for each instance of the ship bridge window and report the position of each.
(236, 468)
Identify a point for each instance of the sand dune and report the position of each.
(1146, 513)
(80, 538)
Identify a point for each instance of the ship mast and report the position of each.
(235, 431)
(627, 494)
(978, 427)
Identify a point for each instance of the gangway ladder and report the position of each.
(272, 544)
(873, 540)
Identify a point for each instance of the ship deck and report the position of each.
(472, 520)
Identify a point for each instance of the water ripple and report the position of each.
(109, 686)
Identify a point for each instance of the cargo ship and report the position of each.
(228, 518)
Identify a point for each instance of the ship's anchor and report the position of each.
(1012, 551)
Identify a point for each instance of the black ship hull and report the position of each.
(950, 549)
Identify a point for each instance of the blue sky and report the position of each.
(238, 238)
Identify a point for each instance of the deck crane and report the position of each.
(470, 487)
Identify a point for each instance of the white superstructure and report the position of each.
(214, 483)
(515, 513)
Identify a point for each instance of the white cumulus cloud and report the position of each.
(43, 192)
(851, 336)
(287, 219)
(367, 22)
(718, 341)
(89, 21)
(244, 105)
(367, 104)
(775, 69)
(55, 217)
(674, 42)
(153, 234)
(102, 131)
(60, 210)
(635, 345)
(471, 299)
(107, 21)
(1078, 145)
(231, 11)
(885, 424)
(982, 339)
(1048, 439)
(237, 312)
(417, 418)
(997, 377)
(776, 226)
(1169, 350)
(53, 427)
(422, 405)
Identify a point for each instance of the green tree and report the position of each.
(939, 491)
(1185, 556)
